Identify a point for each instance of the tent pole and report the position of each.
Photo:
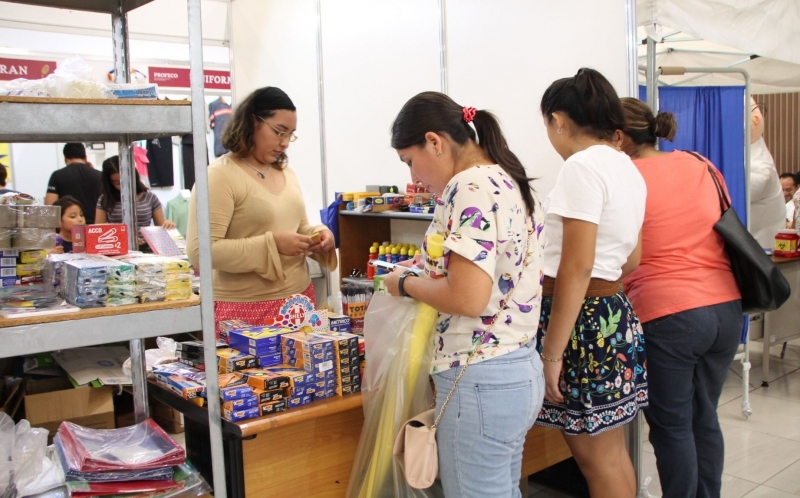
(652, 75)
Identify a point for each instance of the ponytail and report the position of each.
(436, 112)
(492, 141)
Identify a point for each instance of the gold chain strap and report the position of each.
(486, 332)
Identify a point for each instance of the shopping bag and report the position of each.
(395, 387)
(330, 218)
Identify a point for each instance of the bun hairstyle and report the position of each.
(642, 127)
(589, 100)
(262, 103)
(438, 113)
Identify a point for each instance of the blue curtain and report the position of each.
(710, 122)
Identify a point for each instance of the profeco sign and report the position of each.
(177, 77)
(11, 69)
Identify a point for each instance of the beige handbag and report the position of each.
(416, 440)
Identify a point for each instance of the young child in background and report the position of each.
(71, 215)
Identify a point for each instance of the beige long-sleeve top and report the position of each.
(243, 217)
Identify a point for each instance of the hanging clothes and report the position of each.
(219, 112)
(178, 211)
(141, 160)
(160, 165)
(187, 154)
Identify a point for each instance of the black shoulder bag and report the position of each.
(761, 283)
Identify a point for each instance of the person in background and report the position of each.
(591, 339)
(688, 301)
(789, 185)
(260, 233)
(109, 206)
(71, 215)
(3, 179)
(491, 222)
(767, 207)
(78, 179)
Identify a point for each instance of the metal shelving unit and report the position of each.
(48, 120)
(396, 215)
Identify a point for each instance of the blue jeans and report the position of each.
(483, 429)
(688, 355)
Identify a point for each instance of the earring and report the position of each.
(560, 131)
(439, 153)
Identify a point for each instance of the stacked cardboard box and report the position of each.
(315, 354)
(348, 363)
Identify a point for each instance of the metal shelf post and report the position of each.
(204, 240)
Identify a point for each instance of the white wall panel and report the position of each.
(502, 56)
(377, 54)
(275, 44)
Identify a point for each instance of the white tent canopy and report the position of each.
(760, 36)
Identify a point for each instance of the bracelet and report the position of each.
(401, 283)
(551, 360)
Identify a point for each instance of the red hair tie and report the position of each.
(469, 114)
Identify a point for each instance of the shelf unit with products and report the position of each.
(47, 120)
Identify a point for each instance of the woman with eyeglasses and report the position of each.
(260, 234)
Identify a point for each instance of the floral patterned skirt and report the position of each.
(604, 376)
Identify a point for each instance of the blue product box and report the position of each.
(270, 360)
(234, 393)
(241, 404)
(259, 339)
(299, 401)
(237, 415)
(272, 407)
(339, 323)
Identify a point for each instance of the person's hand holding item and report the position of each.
(392, 281)
(56, 250)
(291, 244)
(168, 225)
(324, 242)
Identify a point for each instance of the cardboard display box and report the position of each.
(51, 401)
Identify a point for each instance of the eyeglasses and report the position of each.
(761, 106)
(281, 134)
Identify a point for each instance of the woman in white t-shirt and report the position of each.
(488, 216)
(590, 338)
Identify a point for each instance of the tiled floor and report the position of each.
(762, 453)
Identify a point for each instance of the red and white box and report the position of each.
(109, 239)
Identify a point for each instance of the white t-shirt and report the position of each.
(790, 211)
(767, 207)
(602, 186)
(483, 219)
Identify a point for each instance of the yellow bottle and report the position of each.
(434, 260)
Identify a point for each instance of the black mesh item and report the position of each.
(761, 283)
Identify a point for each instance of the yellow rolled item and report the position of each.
(421, 340)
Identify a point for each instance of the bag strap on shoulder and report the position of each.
(724, 201)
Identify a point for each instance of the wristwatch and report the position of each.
(402, 281)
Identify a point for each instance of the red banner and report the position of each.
(178, 77)
(11, 69)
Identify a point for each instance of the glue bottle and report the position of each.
(395, 255)
(434, 256)
(381, 257)
(373, 255)
(403, 254)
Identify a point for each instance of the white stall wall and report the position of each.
(274, 43)
(531, 45)
(376, 55)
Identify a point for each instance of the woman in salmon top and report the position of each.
(687, 299)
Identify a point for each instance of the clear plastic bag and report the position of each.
(69, 80)
(152, 357)
(395, 387)
(6, 451)
(35, 466)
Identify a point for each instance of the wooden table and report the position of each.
(307, 451)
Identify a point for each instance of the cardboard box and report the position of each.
(270, 360)
(109, 239)
(231, 360)
(264, 396)
(273, 407)
(346, 390)
(266, 380)
(170, 419)
(237, 415)
(257, 341)
(296, 376)
(240, 404)
(299, 401)
(51, 401)
(233, 386)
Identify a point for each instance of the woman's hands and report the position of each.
(552, 377)
(168, 225)
(325, 244)
(392, 281)
(292, 244)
